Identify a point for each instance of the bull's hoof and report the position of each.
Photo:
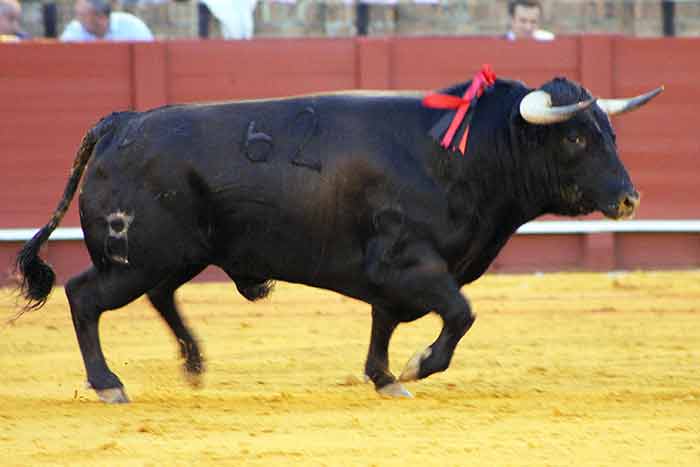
(395, 390)
(112, 395)
(412, 369)
(194, 378)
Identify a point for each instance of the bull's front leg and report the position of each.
(416, 281)
(457, 318)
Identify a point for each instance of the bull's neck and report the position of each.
(493, 193)
(490, 196)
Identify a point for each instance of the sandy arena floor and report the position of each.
(559, 369)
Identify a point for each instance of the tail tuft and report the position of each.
(37, 277)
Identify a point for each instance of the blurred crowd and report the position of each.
(83, 20)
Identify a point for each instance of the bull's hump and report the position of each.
(358, 93)
(370, 93)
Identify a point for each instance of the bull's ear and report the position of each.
(619, 106)
(536, 107)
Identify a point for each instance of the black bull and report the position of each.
(345, 191)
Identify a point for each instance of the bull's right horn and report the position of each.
(536, 107)
(618, 106)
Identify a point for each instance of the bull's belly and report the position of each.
(293, 254)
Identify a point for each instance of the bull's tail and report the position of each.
(37, 277)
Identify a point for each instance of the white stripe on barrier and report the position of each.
(22, 235)
(589, 227)
(531, 228)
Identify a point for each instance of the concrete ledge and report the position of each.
(22, 235)
(544, 246)
(531, 228)
(589, 227)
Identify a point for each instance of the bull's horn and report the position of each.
(618, 106)
(536, 107)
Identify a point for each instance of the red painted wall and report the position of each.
(50, 93)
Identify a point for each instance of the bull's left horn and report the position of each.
(618, 106)
(536, 107)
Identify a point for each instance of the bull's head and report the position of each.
(582, 159)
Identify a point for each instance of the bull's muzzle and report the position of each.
(627, 205)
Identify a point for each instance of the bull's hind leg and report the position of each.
(90, 294)
(377, 366)
(162, 297)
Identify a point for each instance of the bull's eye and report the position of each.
(576, 140)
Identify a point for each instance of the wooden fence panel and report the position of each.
(428, 63)
(50, 94)
(659, 143)
(225, 70)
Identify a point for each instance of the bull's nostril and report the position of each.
(630, 201)
(628, 205)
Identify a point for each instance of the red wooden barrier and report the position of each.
(51, 93)
(659, 143)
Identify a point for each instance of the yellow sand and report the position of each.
(559, 369)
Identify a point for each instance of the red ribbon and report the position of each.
(486, 77)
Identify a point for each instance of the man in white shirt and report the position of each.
(525, 21)
(10, 21)
(94, 20)
(236, 17)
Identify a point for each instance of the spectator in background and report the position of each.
(525, 20)
(94, 20)
(10, 21)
